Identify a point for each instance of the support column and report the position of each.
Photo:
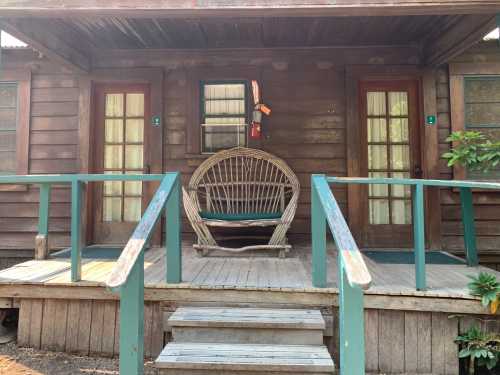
(318, 232)
(42, 239)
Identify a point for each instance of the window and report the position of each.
(482, 113)
(8, 127)
(223, 115)
(14, 123)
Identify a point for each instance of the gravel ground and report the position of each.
(20, 361)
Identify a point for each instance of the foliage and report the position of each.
(486, 286)
(474, 150)
(480, 347)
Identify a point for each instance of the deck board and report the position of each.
(254, 273)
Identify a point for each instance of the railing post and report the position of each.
(351, 324)
(76, 205)
(419, 235)
(132, 321)
(468, 222)
(173, 234)
(42, 239)
(318, 232)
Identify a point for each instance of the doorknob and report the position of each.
(147, 169)
(418, 171)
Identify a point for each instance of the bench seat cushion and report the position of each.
(240, 216)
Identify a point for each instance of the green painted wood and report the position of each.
(351, 326)
(412, 181)
(469, 228)
(318, 232)
(419, 235)
(43, 211)
(173, 234)
(69, 178)
(132, 321)
(76, 208)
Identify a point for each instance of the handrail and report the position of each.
(418, 213)
(356, 270)
(353, 275)
(76, 182)
(142, 233)
(127, 275)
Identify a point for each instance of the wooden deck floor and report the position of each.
(292, 274)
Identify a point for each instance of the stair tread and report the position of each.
(246, 357)
(246, 318)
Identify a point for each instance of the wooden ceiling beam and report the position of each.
(47, 43)
(242, 8)
(454, 41)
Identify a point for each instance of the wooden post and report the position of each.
(351, 326)
(318, 232)
(42, 239)
(132, 321)
(468, 222)
(173, 234)
(419, 235)
(76, 203)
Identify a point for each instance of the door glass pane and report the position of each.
(376, 104)
(377, 130)
(379, 211)
(133, 188)
(132, 209)
(113, 130)
(134, 130)
(378, 190)
(377, 157)
(113, 157)
(133, 157)
(401, 191)
(400, 157)
(401, 211)
(398, 103)
(135, 105)
(398, 129)
(114, 105)
(112, 209)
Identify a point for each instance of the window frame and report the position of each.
(23, 80)
(458, 74)
(201, 100)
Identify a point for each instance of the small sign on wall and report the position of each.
(430, 120)
(156, 121)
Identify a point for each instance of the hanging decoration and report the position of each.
(259, 109)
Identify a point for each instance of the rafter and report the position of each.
(457, 39)
(47, 43)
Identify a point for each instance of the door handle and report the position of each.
(418, 171)
(147, 169)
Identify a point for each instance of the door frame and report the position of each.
(86, 121)
(428, 139)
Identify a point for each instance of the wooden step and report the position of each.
(247, 326)
(225, 359)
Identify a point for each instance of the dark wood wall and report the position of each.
(53, 149)
(487, 206)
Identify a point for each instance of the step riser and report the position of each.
(248, 336)
(229, 372)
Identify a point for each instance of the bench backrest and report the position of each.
(243, 180)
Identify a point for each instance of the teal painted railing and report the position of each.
(127, 276)
(353, 274)
(418, 186)
(77, 183)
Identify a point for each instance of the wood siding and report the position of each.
(486, 205)
(53, 142)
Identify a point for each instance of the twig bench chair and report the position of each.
(242, 188)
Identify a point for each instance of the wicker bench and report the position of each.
(239, 188)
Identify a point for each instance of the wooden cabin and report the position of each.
(356, 89)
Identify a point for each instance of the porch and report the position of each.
(287, 279)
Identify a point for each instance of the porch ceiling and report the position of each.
(75, 39)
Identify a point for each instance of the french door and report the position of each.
(391, 148)
(121, 140)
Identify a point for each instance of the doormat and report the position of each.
(408, 257)
(93, 252)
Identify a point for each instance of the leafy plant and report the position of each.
(486, 286)
(481, 348)
(474, 150)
